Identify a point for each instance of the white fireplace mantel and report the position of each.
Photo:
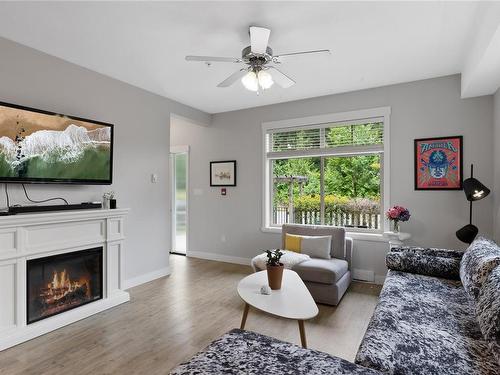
(30, 236)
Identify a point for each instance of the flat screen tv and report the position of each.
(43, 147)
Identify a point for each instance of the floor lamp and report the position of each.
(474, 191)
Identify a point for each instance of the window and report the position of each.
(329, 173)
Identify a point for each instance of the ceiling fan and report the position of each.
(259, 72)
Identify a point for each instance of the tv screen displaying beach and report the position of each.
(37, 146)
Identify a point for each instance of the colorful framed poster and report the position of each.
(223, 173)
(438, 163)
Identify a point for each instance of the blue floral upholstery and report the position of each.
(425, 261)
(488, 311)
(243, 352)
(482, 256)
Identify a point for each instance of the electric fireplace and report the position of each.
(63, 282)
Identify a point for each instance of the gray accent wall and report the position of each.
(230, 227)
(34, 79)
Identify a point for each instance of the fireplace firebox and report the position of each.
(63, 282)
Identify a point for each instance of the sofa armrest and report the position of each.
(425, 261)
(348, 251)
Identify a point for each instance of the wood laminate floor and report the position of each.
(170, 319)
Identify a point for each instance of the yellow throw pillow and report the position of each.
(293, 243)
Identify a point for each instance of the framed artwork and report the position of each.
(223, 173)
(438, 163)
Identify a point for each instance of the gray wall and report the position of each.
(419, 109)
(141, 119)
(496, 166)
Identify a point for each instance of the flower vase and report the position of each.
(396, 226)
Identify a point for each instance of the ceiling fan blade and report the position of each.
(259, 38)
(318, 51)
(233, 78)
(213, 59)
(281, 78)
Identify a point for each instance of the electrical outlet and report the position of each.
(223, 238)
(154, 178)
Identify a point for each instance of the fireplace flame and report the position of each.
(62, 285)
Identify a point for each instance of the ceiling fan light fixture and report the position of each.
(257, 59)
(250, 81)
(265, 79)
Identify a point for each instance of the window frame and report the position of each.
(381, 114)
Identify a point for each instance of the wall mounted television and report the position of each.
(38, 146)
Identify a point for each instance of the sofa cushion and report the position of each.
(293, 243)
(429, 251)
(482, 256)
(324, 271)
(488, 311)
(314, 246)
(337, 233)
(425, 325)
(430, 262)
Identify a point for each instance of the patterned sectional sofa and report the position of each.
(426, 321)
(439, 313)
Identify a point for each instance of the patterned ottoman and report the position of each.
(244, 352)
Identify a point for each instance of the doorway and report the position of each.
(179, 165)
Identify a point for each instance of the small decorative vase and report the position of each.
(396, 226)
(112, 204)
(274, 276)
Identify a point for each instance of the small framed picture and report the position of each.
(438, 163)
(223, 173)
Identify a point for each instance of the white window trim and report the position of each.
(382, 112)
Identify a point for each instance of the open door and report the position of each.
(179, 163)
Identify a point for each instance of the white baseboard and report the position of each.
(358, 274)
(147, 277)
(219, 257)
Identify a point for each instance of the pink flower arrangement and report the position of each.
(398, 213)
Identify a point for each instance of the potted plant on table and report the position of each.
(397, 214)
(274, 268)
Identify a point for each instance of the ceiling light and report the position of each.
(253, 81)
(265, 79)
(250, 81)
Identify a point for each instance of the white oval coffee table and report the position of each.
(292, 301)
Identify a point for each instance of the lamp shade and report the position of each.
(475, 190)
(467, 233)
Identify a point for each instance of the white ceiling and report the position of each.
(144, 43)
